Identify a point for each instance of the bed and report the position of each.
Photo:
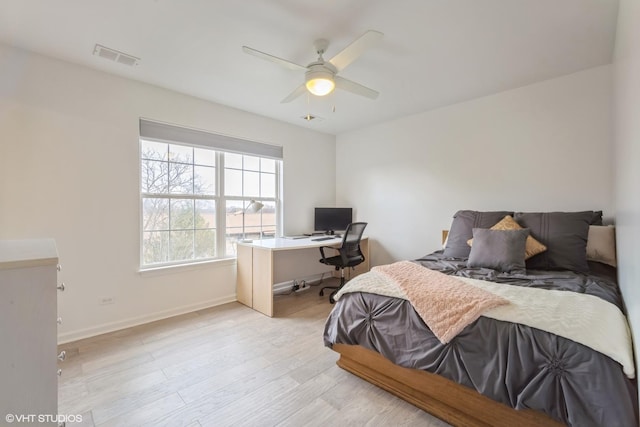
(492, 371)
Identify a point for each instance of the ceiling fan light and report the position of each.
(321, 86)
(319, 82)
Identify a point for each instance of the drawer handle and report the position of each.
(59, 321)
(59, 372)
(61, 287)
(62, 356)
(58, 267)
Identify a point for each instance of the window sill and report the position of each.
(176, 268)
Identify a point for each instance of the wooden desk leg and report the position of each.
(244, 280)
(263, 281)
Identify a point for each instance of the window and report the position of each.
(194, 200)
(248, 178)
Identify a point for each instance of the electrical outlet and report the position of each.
(107, 300)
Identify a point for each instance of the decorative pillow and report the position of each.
(601, 244)
(461, 230)
(501, 250)
(565, 236)
(596, 218)
(532, 247)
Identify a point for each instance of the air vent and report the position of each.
(114, 55)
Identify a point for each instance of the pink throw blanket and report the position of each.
(446, 304)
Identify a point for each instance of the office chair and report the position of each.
(349, 254)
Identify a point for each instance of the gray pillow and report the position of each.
(461, 230)
(565, 236)
(501, 250)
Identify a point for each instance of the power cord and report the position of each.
(302, 284)
(297, 285)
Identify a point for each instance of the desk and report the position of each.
(262, 263)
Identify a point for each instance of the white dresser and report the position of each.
(28, 330)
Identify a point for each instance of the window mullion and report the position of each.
(221, 219)
(169, 219)
(279, 213)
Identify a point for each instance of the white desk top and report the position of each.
(283, 244)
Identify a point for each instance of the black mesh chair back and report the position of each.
(349, 254)
(350, 250)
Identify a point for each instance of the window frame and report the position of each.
(220, 199)
(277, 199)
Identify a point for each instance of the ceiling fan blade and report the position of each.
(353, 87)
(290, 65)
(296, 93)
(355, 49)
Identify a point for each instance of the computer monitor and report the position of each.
(331, 220)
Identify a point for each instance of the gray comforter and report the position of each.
(514, 364)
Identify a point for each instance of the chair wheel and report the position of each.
(321, 293)
(331, 300)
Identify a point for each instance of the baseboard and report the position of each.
(140, 320)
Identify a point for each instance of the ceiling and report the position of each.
(434, 52)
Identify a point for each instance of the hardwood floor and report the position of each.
(228, 365)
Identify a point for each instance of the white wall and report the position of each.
(69, 170)
(627, 158)
(542, 147)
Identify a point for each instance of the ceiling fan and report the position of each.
(321, 76)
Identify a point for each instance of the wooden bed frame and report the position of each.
(456, 404)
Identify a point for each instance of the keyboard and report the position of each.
(321, 239)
